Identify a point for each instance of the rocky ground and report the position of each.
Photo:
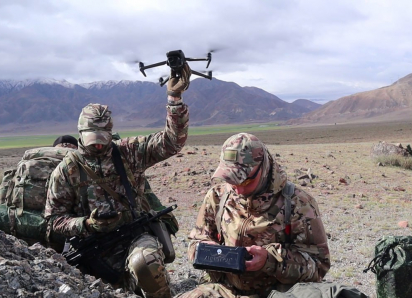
(360, 202)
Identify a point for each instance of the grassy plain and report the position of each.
(22, 141)
(359, 201)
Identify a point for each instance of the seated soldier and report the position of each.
(250, 209)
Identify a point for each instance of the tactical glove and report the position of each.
(179, 82)
(102, 225)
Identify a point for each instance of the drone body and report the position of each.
(176, 60)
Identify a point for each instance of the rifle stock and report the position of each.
(92, 246)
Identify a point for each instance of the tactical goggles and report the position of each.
(249, 180)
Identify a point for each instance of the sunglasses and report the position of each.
(249, 180)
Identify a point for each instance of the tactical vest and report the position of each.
(150, 200)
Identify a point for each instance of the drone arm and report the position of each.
(208, 59)
(208, 76)
(197, 59)
(142, 67)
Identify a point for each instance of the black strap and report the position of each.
(83, 192)
(380, 260)
(287, 192)
(119, 166)
(219, 217)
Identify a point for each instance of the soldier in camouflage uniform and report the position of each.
(141, 263)
(249, 206)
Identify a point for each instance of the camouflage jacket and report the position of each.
(260, 221)
(64, 208)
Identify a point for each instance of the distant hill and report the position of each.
(307, 104)
(51, 102)
(390, 103)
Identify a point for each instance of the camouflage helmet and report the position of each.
(241, 153)
(95, 124)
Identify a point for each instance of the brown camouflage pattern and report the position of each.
(259, 220)
(95, 124)
(28, 186)
(66, 145)
(151, 249)
(138, 153)
(214, 290)
(239, 156)
(95, 116)
(64, 209)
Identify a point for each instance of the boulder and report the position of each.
(383, 148)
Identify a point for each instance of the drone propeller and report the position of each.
(135, 61)
(216, 49)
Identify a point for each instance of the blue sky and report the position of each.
(317, 49)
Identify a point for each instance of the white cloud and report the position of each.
(314, 49)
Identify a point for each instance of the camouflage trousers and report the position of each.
(213, 290)
(146, 268)
(220, 290)
(143, 267)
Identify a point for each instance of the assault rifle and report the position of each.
(92, 246)
(221, 258)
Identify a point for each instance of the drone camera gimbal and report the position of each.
(176, 60)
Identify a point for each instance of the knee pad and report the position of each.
(149, 278)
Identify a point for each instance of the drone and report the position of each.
(176, 60)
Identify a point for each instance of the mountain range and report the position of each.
(49, 102)
(389, 103)
(31, 104)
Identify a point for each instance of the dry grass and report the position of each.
(395, 161)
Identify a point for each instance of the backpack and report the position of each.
(319, 290)
(392, 266)
(23, 193)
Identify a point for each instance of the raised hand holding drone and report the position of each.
(179, 81)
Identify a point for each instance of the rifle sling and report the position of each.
(120, 169)
(83, 192)
(92, 175)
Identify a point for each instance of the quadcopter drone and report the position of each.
(176, 60)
